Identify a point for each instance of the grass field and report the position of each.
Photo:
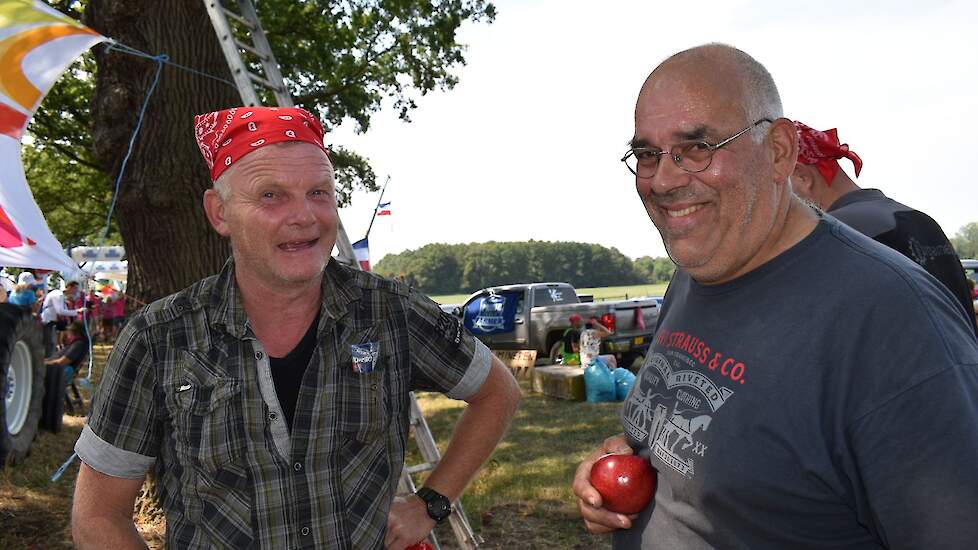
(520, 499)
(599, 293)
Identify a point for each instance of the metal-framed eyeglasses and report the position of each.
(692, 156)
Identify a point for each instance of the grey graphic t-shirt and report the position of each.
(825, 400)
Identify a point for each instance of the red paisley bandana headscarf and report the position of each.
(226, 136)
(823, 150)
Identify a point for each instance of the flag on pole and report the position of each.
(362, 251)
(384, 209)
(37, 44)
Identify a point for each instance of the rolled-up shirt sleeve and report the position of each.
(122, 435)
(444, 357)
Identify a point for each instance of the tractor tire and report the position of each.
(22, 372)
(53, 409)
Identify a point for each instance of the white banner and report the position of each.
(37, 44)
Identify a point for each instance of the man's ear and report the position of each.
(784, 142)
(214, 208)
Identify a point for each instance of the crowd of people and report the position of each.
(99, 311)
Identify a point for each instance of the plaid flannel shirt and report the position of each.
(188, 388)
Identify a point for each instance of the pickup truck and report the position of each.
(535, 316)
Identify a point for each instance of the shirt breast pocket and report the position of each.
(362, 412)
(208, 417)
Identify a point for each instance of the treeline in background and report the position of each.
(462, 268)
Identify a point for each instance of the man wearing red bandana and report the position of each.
(272, 400)
(819, 179)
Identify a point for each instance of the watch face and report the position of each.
(439, 508)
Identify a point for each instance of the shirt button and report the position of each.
(272, 416)
(259, 355)
(304, 531)
(297, 466)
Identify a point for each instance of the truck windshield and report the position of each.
(554, 295)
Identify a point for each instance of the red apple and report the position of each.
(626, 482)
(423, 545)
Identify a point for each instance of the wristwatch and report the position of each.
(439, 507)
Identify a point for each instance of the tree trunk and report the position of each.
(169, 243)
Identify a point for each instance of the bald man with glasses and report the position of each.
(807, 387)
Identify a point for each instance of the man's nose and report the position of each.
(302, 212)
(668, 176)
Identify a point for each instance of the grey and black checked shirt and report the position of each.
(188, 388)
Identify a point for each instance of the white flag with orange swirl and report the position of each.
(37, 44)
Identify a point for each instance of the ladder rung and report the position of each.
(243, 46)
(419, 468)
(239, 19)
(264, 82)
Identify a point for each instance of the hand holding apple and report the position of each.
(598, 519)
(626, 482)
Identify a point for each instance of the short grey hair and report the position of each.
(222, 186)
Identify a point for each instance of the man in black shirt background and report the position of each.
(819, 180)
(74, 352)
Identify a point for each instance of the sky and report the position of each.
(527, 144)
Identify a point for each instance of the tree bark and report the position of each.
(169, 243)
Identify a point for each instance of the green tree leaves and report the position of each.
(343, 60)
(459, 268)
(654, 270)
(966, 241)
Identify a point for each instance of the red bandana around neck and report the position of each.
(823, 150)
(225, 137)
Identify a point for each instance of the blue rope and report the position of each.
(122, 48)
(160, 60)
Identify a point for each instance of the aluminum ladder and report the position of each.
(467, 539)
(246, 47)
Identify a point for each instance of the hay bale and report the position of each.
(559, 382)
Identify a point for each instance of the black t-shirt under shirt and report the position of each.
(287, 371)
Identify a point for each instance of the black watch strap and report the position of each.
(437, 504)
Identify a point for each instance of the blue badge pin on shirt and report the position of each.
(365, 356)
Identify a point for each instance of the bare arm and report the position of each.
(61, 360)
(61, 308)
(602, 330)
(476, 434)
(101, 516)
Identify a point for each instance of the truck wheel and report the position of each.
(53, 408)
(22, 369)
(555, 355)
